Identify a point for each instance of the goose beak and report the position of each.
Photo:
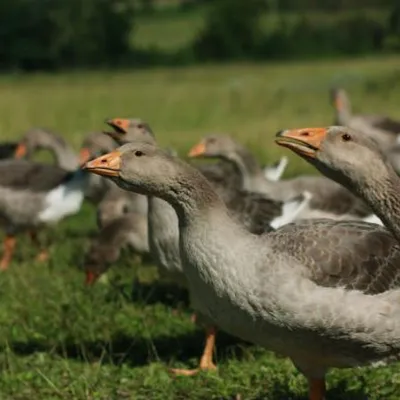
(106, 165)
(84, 155)
(338, 103)
(305, 142)
(120, 125)
(197, 150)
(20, 151)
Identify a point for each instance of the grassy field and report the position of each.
(61, 340)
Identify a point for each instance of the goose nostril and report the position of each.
(306, 134)
(103, 161)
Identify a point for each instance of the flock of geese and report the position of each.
(308, 267)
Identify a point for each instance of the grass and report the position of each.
(61, 340)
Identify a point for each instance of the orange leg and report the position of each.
(43, 254)
(317, 389)
(9, 246)
(193, 318)
(206, 362)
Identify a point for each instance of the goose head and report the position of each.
(340, 100)
(36, 139)
(94, 145)
(214, 146)
(141, 167)
(127, 130)
(347, 156)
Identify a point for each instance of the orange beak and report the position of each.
(106, 165)
(20, 151)
(197, 150)
(121, 125)
(84, 155)
(305, 142)
(338, 103)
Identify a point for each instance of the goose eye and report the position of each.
(140, 126)
(346, 137)
(138, 153)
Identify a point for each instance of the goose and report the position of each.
(34, 194)
(327, 196)
(127, 230)
(253, 210)
(381, 128)
(39, 138)
(117, 202)
(94, 145)
(323, 293)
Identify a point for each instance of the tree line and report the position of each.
(65, 34)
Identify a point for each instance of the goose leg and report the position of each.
(206, 362)
(9, 246)
(317, 389)
(43, 254)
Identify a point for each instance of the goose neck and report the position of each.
(247, 166)
(382, 195)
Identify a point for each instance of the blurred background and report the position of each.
(54, 35)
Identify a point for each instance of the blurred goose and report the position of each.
(94, 145)
(127, 230)
(327, 196)
(381, 128)
(324, 293)
(117, 202)
(38, 139)
(33, 194)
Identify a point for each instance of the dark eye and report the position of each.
(211, 140)
(140, 126)
(138, 153)
(346, 137)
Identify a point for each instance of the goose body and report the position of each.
(33, 193)
(126, 231)
(275, 171)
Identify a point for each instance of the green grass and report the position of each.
(61, 340)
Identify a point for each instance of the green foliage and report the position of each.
(392, 40)
(232, 30)
(64, 33)
(305, 38)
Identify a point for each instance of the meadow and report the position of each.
(116, 340)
